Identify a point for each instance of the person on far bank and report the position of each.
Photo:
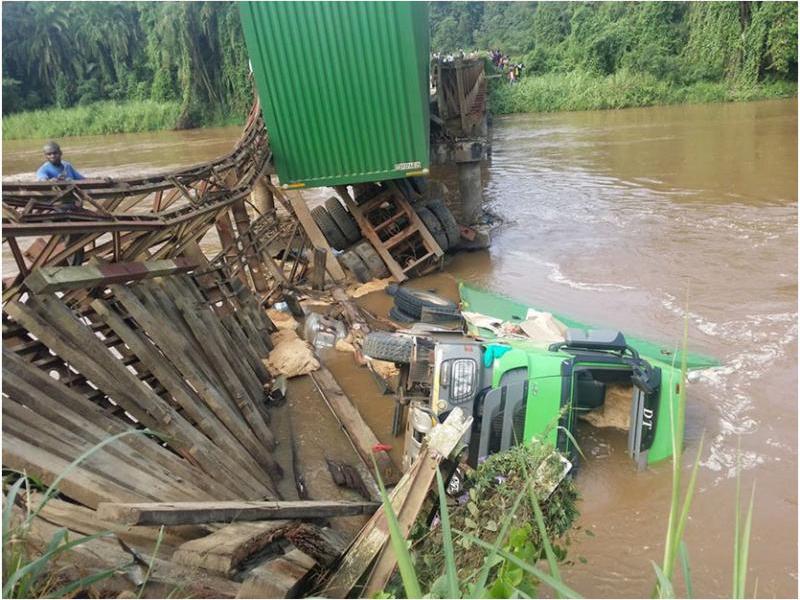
(55, 168)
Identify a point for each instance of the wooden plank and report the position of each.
(361, 436)
(165, 579)
(183, 513)
(68, 402)
(58, 279)
(204, 325)
(53, 323)
(176, 348)
(59, 441)
(281, 577)
(80, 484)
(406, 499)
(318, 273)
(185, 396)
(315, 235)
(86, 521)
(225, 549)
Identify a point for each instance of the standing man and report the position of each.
(55, 168)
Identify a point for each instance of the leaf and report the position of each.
(473, 509)
(404, 563)
(683, 553)
(557, 585)
(470, 523)
(491, 526)
(664, 584)
(451, 574)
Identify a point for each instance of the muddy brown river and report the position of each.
(614, 218)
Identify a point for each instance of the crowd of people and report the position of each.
(512, 71)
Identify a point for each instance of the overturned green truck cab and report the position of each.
(518, 390)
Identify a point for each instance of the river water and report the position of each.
(619, 218)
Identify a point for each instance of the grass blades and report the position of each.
(24, 576)
(664, 585)
(404, 562)
(451, 575)
(559, 586)
(741, 542)
(159, 539)
(683, 553)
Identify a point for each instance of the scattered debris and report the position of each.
(282, 319)
(346, 476)
(291, 355)
(406, 498)
(375, 285)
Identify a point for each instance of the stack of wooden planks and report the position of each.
(150, 354)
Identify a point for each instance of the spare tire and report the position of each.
(412, 301)
(433, 225)
(388, 346)
(343, 219)
(329, 228)
(371, 258)
(448, 221)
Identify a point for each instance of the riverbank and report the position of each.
(576, 91)
(100, 118)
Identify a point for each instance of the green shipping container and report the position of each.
(343, 88)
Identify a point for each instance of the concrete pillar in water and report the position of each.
(261, 196)
(470, 190)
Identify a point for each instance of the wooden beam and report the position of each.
(359, 433)
(225, 549)
(185, 513)
(58, 279)
(315, 235)
(406, 499)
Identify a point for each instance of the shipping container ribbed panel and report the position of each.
(343, 88)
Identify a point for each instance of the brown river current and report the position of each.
(610, 217)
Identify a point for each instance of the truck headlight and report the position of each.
(462, 377)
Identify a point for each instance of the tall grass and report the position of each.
(94, 119)
(578, 90)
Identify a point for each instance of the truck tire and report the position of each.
(343, 219)
(371, 258)
(355, 265)
(448, 221)
(388, 346)
(329, 228)
(412, 301)
(433, 225)
(398, 316)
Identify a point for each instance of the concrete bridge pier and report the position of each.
(468, 156)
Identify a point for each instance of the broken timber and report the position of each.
(184, 513)
(406, 500)
(359, 433)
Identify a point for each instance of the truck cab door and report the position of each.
(645, 411)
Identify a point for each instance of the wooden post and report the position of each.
(315, 235)
(318, 275)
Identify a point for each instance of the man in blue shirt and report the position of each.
(55, 168)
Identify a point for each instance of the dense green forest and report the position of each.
(187, 63)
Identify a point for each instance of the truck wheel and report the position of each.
(371, 258)
(448, 221)
(343, 219)
(398, 316)
(353, 262)
(433, 225)
(388, 346)
(329, 228)
(412, 302)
